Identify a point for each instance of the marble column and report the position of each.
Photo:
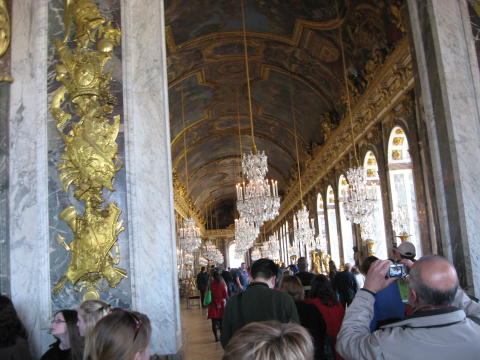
(4, 243)
(149, 174)
(28, 174)
(448, 89)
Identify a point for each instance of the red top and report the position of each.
(333, 316)
(219, 294)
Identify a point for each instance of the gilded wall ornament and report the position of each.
(83, 106)
(5, 36)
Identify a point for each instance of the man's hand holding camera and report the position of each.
(376, 278)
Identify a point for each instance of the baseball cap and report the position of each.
(406, 249)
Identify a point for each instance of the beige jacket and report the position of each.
(435, 334)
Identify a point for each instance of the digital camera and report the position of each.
(397, 271)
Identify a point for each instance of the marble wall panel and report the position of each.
(4, 243)
(57, 198)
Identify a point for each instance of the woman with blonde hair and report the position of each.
(89, 313)
(121, 335)
(270, 340)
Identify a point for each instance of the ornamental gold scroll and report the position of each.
(5, 36)
(83, 107)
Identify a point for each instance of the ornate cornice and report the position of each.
(388, 86)
(184, 205)
(219, 233)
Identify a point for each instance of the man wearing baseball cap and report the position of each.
(406, 250)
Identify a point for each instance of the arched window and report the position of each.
(322, 233)
(378, 222)
(346, 226)
(332, 226)
(404, 204)
(234, 260)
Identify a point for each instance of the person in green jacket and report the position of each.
(258, 303)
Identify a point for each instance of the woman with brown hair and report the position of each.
(270, 340)
(69, 342)
(89, 313)
(325, 299)
(310, 316)
(121, 335)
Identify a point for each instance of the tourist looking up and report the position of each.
(438, 328)
(219, 297)
(259, 302)
(310, 316)
(346, 285)
(202, 283)
(324, 298)
(13, 336)
(89, 313)
(69, 342)
(270, 340)
(121, 335)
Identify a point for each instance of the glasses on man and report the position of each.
(136, 320)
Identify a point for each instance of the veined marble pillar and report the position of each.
(147, 247)
(149, 176)
(448, 88)
(28, 171)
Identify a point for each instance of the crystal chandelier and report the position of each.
(245, 234)
(258, 200)
(202, 261)
(400, 221)
(293, 249)
(361, 197)
(190, 236)
(190, 233)
(303, 230)
(273, 247)
(209, 251)
(255, 254)
(188, 259)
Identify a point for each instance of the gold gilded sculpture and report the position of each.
(325, 261)
(316, 264)
(5, 35)
(90, 161)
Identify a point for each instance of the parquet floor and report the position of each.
(198, 340)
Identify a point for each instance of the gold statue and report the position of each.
(90, 160)
(317, 266)
(325, 261)
(5, 36)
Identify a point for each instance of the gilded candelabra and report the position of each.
(83, 107)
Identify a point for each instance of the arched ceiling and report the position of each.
(294, 57)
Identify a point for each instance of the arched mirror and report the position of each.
(404, 204)
(332, 226)
(345, 225)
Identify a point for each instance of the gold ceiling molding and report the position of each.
(184, 205)
(294, 40)
(219, 233)
(390, 84)
(265, 70)
(234, 133)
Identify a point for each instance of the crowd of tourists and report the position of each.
(380, 309)
(376, 309)
(93, 332)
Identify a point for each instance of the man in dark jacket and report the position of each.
(202, 283)
(258, 303)
(346, 285)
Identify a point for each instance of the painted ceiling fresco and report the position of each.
(296, 72)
